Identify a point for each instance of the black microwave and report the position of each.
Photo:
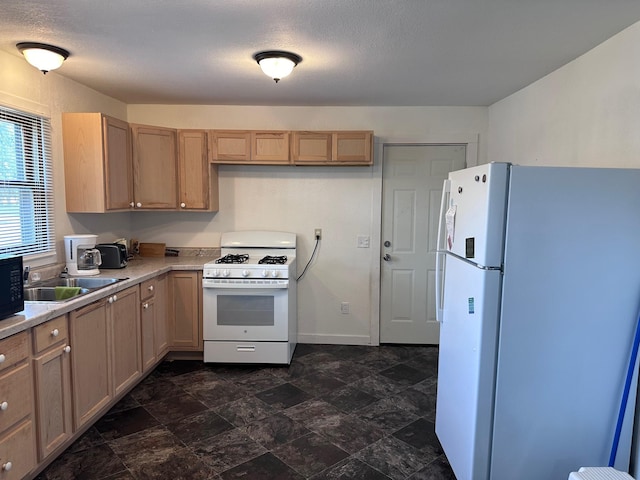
(11, 286)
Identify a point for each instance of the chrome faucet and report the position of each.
(25, 275)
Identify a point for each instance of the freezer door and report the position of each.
(475, 212)
(466, 366)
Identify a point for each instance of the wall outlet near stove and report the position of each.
(318, 233)
(344, 308)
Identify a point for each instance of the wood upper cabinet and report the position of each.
(97, 163)
(197, 179)
(229, 146)
(155, 169)
(185, 310)
(332, 148)
(52, 379)
(262, 147)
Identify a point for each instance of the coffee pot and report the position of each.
(81, 255)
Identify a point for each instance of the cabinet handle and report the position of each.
(7, 466)
(131, 204)
(67, 349)
(4, 406)
(138, 205)
(145, 306)
(110, 300)
(55, 332)
(150, 288)
(113, 298)
(183, 205)
(2, 358)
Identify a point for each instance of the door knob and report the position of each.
(387, 243)
(386, 257)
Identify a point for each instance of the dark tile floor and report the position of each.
(338, 412)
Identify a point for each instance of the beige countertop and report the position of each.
(137, 270)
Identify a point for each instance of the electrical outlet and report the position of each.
(363, 241)
(318, 233)
(344, 308)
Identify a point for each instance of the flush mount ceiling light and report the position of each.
(276, 63)
(42, 56)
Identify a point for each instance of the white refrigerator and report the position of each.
(538, 291)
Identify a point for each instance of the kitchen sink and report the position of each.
(45, 291)
(48, 294)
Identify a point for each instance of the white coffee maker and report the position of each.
(81, 254)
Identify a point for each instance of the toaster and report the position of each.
(114, 255)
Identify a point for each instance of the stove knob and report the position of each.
(226, 273)
(245, 273)
(215, 272)
(265, 273)
(275, 273)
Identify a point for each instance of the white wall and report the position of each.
(585, 113)
(343, 201)
(25, 88)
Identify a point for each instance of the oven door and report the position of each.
(236, 313)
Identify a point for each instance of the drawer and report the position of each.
(148, 288)
(50, 333)
(15, 396)
(14, 350)
(248, 352)
(17, 447)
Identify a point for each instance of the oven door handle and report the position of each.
(245, 284)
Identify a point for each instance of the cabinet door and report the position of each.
(193, 170)
(311, 148)
(147, 323)
(229, 146)
(125, 325)
(117, 163)
(355, 148)
(54, 423)
(155, 184)
(270, 147)
(161, 303)
(17, 450)
(185, 311)
(90, 369)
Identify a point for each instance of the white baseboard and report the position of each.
(334, 339)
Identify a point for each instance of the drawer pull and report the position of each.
(7, 466)
(145, 306)
(246, 348)
(150, 288)
(2, 358)
(55, 332)
(67, 349)
(4, 406)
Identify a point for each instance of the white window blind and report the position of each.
(26, 184)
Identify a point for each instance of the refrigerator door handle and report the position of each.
(440, 253)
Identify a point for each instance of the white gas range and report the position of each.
(249, 299)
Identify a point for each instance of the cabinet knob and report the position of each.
(55, 332)
(67, 349)
(131, 204)
(138, 205)
(7, 466)
(4, 406)
(150, 288)
(145, 306)
(2, 357)
(183, 205)
(112, 298)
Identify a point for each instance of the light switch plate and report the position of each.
(363, 241)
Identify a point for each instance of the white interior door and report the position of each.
(412, 177)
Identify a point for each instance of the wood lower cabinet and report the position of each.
(161, 306)
(17, 436)
(97, 163)
(155, 171)
(185, 311)
(124, 319)
(197, 178)
(52, 377)
(153, 317)
(91, 371)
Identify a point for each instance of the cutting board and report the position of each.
(152, 249)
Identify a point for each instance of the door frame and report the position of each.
(470, 140)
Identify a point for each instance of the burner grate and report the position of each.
(273, 260)
(233, 258)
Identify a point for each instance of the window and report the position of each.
(26, 184)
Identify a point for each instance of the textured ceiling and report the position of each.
(355, 52)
